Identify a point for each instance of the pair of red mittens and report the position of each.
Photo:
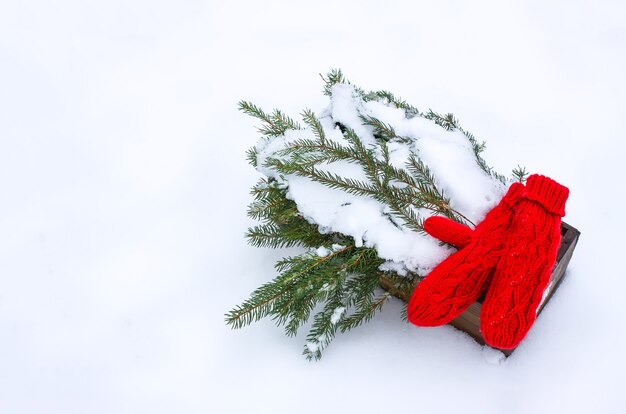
(510, 254)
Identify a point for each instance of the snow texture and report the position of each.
(337, 314)
(448, 155)
(124, 186)
(493, 356)
(322, 251)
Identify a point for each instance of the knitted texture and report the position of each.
(448, 231)
(459, 280)
(524, 270)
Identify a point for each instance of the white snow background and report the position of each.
(124, 185)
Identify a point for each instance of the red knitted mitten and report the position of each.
(524, 270)
(459, 280)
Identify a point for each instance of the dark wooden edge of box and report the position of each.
(469, 321)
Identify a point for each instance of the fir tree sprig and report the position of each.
(274, 124)
(520, 174)
(337, 280)
(390, 98)
(281, 223)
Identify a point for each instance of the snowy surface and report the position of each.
(447, 154)
(123, 190)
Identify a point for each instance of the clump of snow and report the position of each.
(396, 267)
(448, 155)
(322, 251)
(346, 108)
(314, 346)
(337, 314)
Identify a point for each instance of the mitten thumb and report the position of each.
(448, 231)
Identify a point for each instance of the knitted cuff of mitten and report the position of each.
(547, 192)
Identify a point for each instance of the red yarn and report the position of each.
(460, 279)
(448, 231)
(524, 270)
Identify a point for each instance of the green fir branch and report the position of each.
(311, 120)
(332, 78)
(296, 274)
(274, 124)
(448, 121)
(390, 99)
(325, 324)
(382, 131)
(329, 179)
(520, 174)
(335, 77)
